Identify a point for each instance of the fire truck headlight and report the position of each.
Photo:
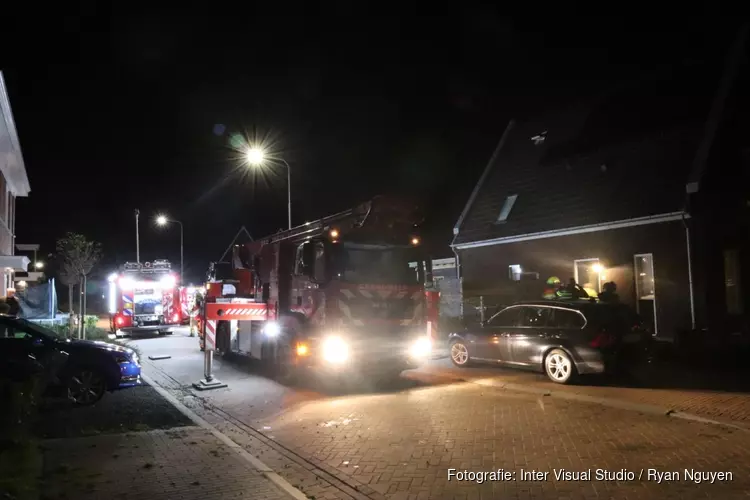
(421, 347)
(335, 350)
(112, 277)
(272, 329)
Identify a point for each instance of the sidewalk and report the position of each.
(187, 463)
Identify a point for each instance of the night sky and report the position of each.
(118, 110)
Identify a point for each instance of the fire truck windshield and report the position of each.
(378, 264)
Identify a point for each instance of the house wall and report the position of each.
(485, 270)
(13, 182)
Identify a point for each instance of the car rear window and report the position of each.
(564, 318)
(617, 316)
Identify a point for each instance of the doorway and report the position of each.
(645, 289)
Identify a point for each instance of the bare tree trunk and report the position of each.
(80, 308)
(71, 309)
(83, 316)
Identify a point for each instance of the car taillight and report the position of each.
(176, 318)
(602, 340)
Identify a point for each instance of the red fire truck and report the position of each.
(186, 296)
(143, 297)
(350, 292)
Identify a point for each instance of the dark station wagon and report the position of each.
(563, 339)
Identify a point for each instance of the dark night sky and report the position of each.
(117, 110)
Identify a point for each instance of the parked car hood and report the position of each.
(95, 345)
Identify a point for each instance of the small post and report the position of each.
(209, 339)
(481, 308)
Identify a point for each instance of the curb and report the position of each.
(267, 472)
(609, 402)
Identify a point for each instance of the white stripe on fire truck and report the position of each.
(348, 313)
(347, 293)
(366, 293)
(246, 312)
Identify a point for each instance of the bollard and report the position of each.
(209, 339)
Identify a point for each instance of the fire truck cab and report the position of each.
(143, 297)
(352, 292)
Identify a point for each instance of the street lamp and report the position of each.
(256, 157)
(163, 220)
(39, 265)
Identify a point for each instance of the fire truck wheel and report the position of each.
(284, 367)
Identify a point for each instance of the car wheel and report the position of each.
(86, 386)
(559, 367)
(460, 353)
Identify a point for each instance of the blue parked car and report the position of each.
(84, 369)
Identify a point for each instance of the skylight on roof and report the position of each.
(539, 139)
(507, 207)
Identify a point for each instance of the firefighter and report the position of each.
(572, 291)
(198, 319)
(609, 293)
(553, 284)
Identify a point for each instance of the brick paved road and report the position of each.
(402, 445)
(714, 404)
(186, 463)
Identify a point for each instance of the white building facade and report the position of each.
(14, 183)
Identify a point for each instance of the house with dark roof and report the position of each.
(644, 186)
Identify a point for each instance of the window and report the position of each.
(588, 274)
(645, 289)
(564, 318)
(732, 281)
(507, 207)
(320, 262)
(514, 272)
(534, 317)
(11, 212)
(505, 318)
(3, 199)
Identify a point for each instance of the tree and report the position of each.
(69, 278)
(78, 256)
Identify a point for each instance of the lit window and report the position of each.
(514, 272)
(507, 207)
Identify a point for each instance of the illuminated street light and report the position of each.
(163, 220)
(39, 265)
(256, 157)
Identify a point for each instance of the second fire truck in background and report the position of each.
(143, 297)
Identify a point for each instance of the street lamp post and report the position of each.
(163, 220)
(257, 157)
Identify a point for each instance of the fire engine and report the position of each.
(186, 296)
(143, 297)
(349, 292)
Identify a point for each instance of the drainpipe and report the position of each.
(460, 286)
(690, 271)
